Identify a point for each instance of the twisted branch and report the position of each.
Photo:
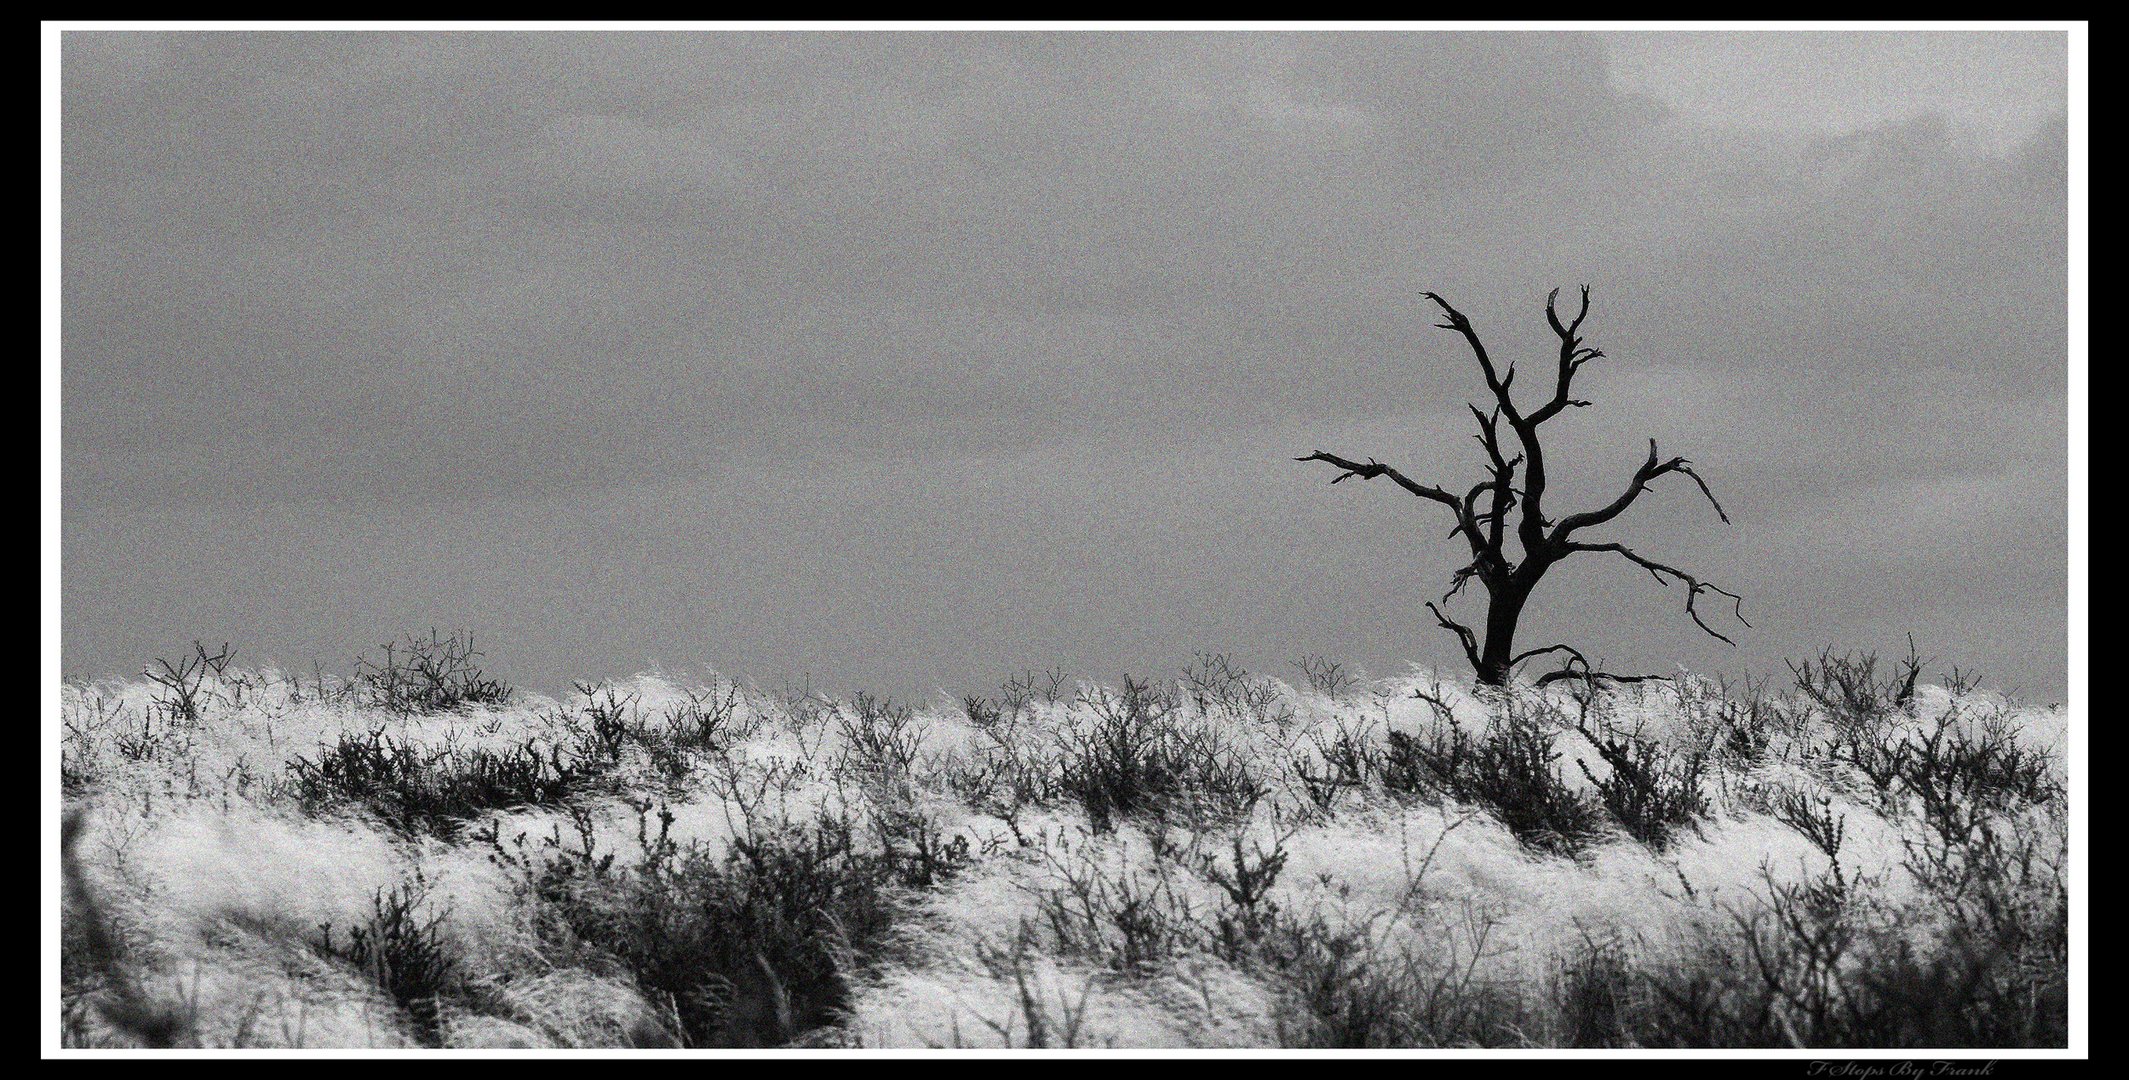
(1465, 523)
(1694, 586)
(1463, 634)
(1573, 354)
(1649, 470)
(1497, 383)
(1575, 659)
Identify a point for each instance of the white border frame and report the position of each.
(2078, 480)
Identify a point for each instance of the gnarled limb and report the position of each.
(1495, 382)
(1463, 634)
(1489, 437)
(1465, 523)
(1475, 568)
(1694, 586)
(1573, 354)
(1373, 469)
(1649, 470)
(1551, 677)
(1503, 498)
(1575, 660)
(1573, 655)
(1532, 528)
(1503, 483)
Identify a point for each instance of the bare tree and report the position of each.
(1482, 513)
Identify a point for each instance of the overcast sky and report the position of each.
(908, 361)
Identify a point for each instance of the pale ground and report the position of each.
(218, 884)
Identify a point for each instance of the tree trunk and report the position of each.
(1503, 609)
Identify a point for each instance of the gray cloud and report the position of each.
(482, 282)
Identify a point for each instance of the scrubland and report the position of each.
(416, 855)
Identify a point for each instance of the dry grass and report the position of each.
(1218, 859)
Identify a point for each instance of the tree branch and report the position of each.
(1694, 586)
(1465, 523)
(1576, 659)
(1463, 634)
(1494, 382)
(1572, 356)
(1375, 468)
(1490, 438)
(1573, 654)
(1475, 568)
(1551, 677)
(1503, 497)
(1503, 483)
(1649, 470)
(1532, 529)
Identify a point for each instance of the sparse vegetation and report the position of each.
(400, 950)
(416, 787)
(1219, 858)
(429, 675)
(1512, 768)
(752, 945)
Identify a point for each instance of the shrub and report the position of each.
(1827, 963)
(1021, 690)
(1742, 726)
(754, 946)
(1595, 992)
(421, 789)
(182, 683)
(1326, 676)
(1651, 789)
(879, 737)
(1344, 988)
(1512, 770)
(1129, 918)
(1051, 1021)
(1246, 880)
(1958, 766)
(1835, 969)
(402, 953)
(431, 675)
(1849, 687)
(1344, 761)
(1219, 686)
(1135, 757)
(701, 727)
(1814, 818)
(610, 723)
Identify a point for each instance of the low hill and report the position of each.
(1222, 859)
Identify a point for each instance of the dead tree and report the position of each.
(1482, 513)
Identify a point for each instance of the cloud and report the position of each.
(382, 271)
(1844, 83)
(605, 153)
